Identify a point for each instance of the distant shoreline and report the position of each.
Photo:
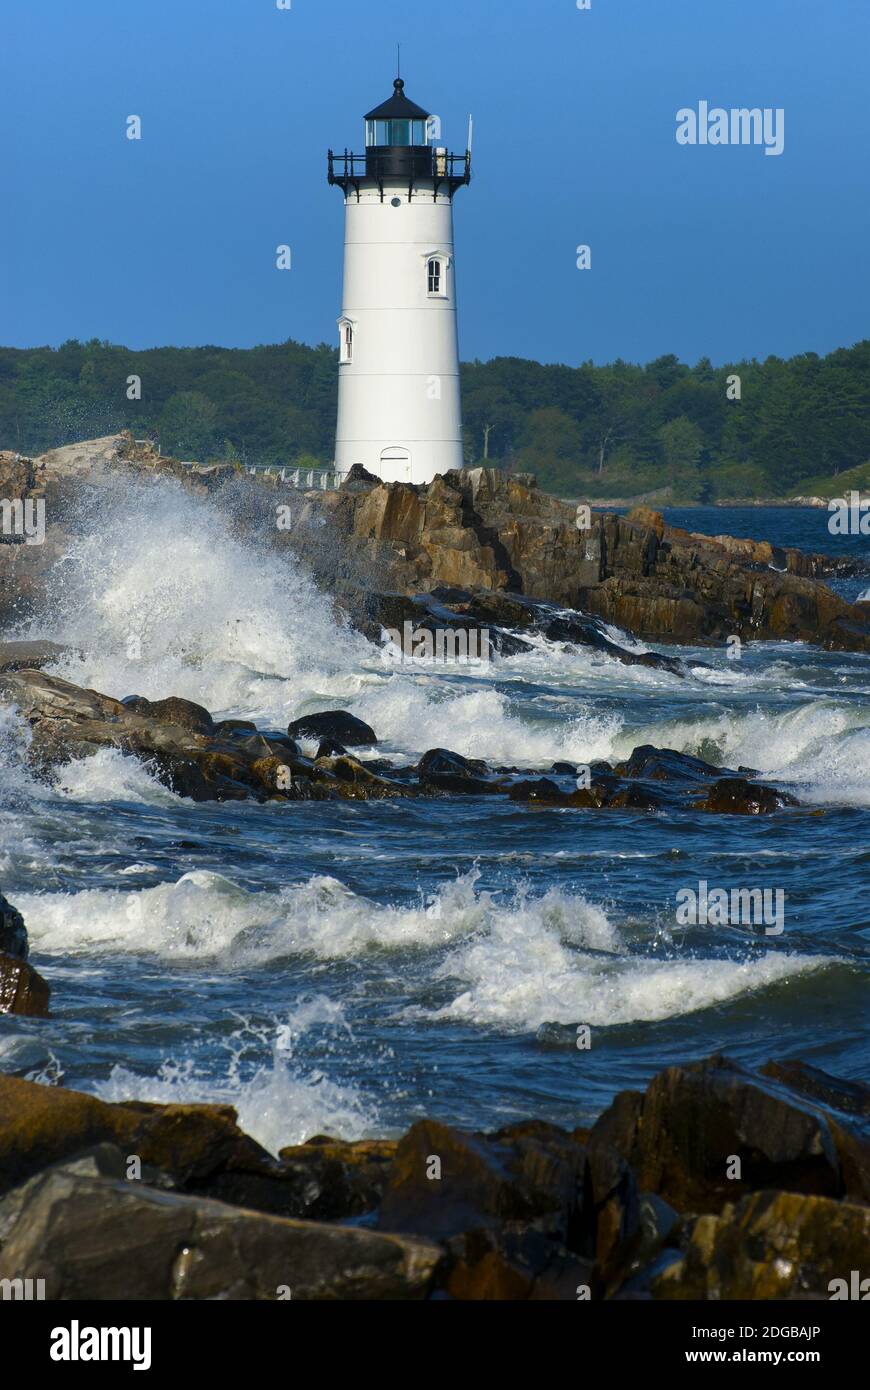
(795, 504)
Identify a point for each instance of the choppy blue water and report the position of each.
(346, 967)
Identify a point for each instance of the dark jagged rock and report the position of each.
(199, 761)
(336, 724)
(41, 1125)
(772, 1245)
(328, 1179)
(611, 1188)
(665, 765)
(441, 770)
(179, 744)
(693, 1121)
(638, 1207)
(541, 791)
(578, 630)
(236, 727)
(354, 780)
(488, 1265)
(850, 1097)
(522, 1173)
(330, 748)
(23, 991)
(162, 1245)
(735, 796)
(481, 529)
(13, 933)
(184, 713)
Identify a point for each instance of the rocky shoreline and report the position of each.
(477, 530)
(206, 760)
(718, 1182)
(715, 1183)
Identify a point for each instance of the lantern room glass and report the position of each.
(398, 132)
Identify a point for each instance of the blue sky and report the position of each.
(718, 251)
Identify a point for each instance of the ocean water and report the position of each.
(346, 967)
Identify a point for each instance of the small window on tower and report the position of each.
(434, 276)
(346, 354)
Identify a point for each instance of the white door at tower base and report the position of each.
(396, 464)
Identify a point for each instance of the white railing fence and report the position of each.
(306, 478)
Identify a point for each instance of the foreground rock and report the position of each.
(718, 1182)
(98, 1238)
(771, 1245)
(694, 1121)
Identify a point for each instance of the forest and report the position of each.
(749, 429)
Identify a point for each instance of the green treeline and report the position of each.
(616, 430)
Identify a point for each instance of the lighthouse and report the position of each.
(398, 375)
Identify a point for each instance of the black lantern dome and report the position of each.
(398, 122)
(397, 148)
(397, 143)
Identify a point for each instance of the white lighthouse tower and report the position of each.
(398, 375)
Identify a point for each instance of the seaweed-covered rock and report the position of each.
(771, 1245)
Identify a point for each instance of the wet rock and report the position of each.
(488, 1265)
(330, 748)
(354, 781)
(173, 710)
(186, 778)
(665, 765)
(174, 738)
(335, 724)
(613, 1209)
(235, 727)
(13, 933)
(41, 1125)
(328, 1179)
(735, 796)
(771, 1245)
(22, 990)
(850, 1097)
(532, 1172)
(98, 1238)
(634, 798)
(579, 630)
(441, 770)
(541, 791)
(480, 529)
(21, 656)
(682, 1137)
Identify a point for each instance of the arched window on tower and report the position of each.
(435, 276)
(345, 354)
